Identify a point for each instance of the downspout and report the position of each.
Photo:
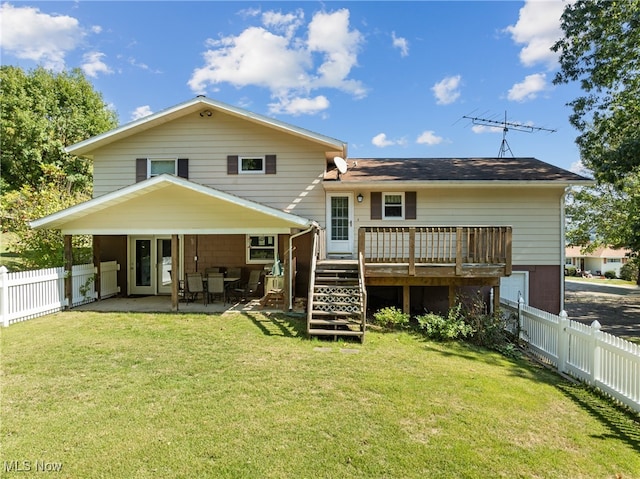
(563, 256)
(290, 259)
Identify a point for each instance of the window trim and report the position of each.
(250, 248)
(384, 205)
(252, 172)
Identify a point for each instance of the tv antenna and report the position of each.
(506, 126)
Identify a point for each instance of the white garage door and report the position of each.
(512, 286)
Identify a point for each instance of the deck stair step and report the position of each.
(336, 303)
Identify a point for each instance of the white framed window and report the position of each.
(261, 248)
(251, 164)
(393, 206)
(158, 166)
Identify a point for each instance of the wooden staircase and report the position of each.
(337, 300)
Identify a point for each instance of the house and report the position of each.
(205, 184)
(596, 262)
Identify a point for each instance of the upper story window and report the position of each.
(158, 166)
(392, 206)
(251, 164)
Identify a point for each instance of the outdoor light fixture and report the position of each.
(360, 198)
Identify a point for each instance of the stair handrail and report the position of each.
(363, 292)
(312, 278)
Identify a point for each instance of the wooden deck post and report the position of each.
(68, 270)
(406, 299)
(361, 242)
(452, 295)
(496, 297)
(412, 251)
(459, 251)
(175, 272)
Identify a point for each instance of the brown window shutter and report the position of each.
(410, 205)
(141, 169)
(376, 205)
(270, 165)
(232, 165)
(183, 168)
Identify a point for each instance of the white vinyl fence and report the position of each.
(29, 294)
(585, 352)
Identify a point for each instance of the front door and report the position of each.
(142, 266)
(340, 224)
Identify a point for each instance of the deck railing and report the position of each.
(439, 245)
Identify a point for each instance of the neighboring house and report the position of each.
(206, 184)
(597, 262)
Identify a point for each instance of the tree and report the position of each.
(601, 50)
(42, 112)
(42, 248)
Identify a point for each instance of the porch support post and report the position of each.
(412, 251)
(175, 272)
(406, 299)
(68, 271)
(496, 297)
(96, 265)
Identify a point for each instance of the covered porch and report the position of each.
(156, 229)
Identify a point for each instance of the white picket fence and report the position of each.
(600, 359)
(29, 294)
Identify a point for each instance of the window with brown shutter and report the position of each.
(141, 169)
(376, 205)
(410, 207)
(183, 168)
(270, 165)
(232, 165)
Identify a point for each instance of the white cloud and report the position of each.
(486, 129)
(298, 106)
(276, 57)
(529, 88)
(31, 35)
(447, 90)
(381, 141)
(92, 64)
(538, 28)
(430, 138)
(141, 112)
(401, 43)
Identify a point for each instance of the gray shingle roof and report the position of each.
(367, 170)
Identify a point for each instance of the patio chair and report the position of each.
(195, 286)
(251, 288)
(211, 270)
(215, 286)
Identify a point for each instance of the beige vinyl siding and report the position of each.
(206, 142)
(533, 212)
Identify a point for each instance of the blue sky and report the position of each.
(392, 79)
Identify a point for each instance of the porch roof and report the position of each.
(167, 204)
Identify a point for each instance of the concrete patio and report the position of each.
(162, 304)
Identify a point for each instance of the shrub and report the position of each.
(439, 328)
(610, 274)
(629, 271)
(391, 318)
(570, 271)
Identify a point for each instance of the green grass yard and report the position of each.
(248, 396)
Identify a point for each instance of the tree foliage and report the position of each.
(601, 50)
(42, 112)
(42, 248)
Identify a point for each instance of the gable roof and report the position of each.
(454, 170)
(167, 204)
(199, 104)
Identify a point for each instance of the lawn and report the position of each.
(248, 396)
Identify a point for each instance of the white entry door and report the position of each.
(340, 224)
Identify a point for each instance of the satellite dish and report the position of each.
(340, 164)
